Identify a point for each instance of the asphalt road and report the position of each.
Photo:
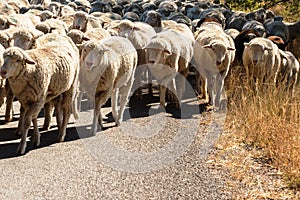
(155, 154)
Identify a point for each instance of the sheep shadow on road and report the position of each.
(137, 108)
(9, 141)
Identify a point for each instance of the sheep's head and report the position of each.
(125, 28)
(15, 59)
(44, 27)
(6, 22)
(46, 14)
(89, 55)
(25, 38)
(5, 40)
(153, 18)
(77, 36)
(80, 20)
(257, 52)
(218, 52)
(158, 50)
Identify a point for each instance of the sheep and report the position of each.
(25, 38)
(259, 15)
(261, 59)
(39, 76)
(168, 53)
(289, 70)
(2, 81)
(41, 2)
(278, 41)
(294, 38)
(100, 6)
(6, 9)
(18, 20)
(213, 13)
(52, 26)
(256, 26)
(132, 16)
(17, 4)
(83, 21)
(243, 37)
(107, 69)
(214, 52)
(139, 34)
(278, 28)
(54, 8)
(44, 15)
(233, 33)
(6, 37)
(78, 37)
(236, 22)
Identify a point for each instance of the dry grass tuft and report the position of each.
(268, 119)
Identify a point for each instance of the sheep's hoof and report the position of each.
(35, 141)
(46, 127)
(8, 119)
(163, 104)
(60, 138)
(18, 132)
(93, 133)
(223, 105)
(21, 149)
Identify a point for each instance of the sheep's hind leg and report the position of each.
(9, 103)
(36, 135)
(114, 104)
(100, 100)
(29, 114)
(124, 94)
(48, 112)
(66, 104)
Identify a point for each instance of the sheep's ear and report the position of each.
(136, 28)
(167, 51)
(230, 48)
(268, 48)
(246, 44)
(208, 46)
(11, 22)
(84, 38)
(29, 60)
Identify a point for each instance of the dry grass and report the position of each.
(269, 120)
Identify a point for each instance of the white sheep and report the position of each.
(52, 26)
(79, 37)
(6, 37)
(289, 70)
(25, 38)
(83, 21)
(262, 60)
(168, 53)
(6, 9)
(17, 4)
(214, 51)
(26, 20)
(2, 81)
(39, 76)
(139, 34)
(107, 69)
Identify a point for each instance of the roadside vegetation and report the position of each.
(267, 120)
